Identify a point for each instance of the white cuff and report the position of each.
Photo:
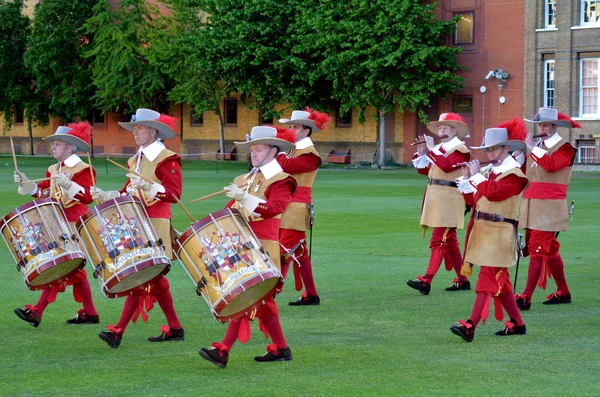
(477, 179)
(538, 152)
(464, 186)
(250, 202)
(73, 190)
(421, 162)
(153, 191)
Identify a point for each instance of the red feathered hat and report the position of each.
(553, 116)
(311, 118)
(76, 134)
(453, 120)
(510, 133)
(165, 125)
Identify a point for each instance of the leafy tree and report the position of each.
(119, 56)
(382, 53)
(54, 55)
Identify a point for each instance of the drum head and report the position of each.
(56, 274)
(141, 278)
(249, 299)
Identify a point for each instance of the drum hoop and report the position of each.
(67, 276)
(25, 207)
(107, 204)
(271, 293)
(139, 287)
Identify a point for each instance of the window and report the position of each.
(343, 120)
(230, 106)
(262, 120)
(462, 105)
(97, 118)
(549, 83)
(19, 115)
(589, 91)
(197, 119)
(586, 152)
(550, 14)
(590, 12)
(464, 28)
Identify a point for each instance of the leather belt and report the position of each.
(442, 182)
(486, 216)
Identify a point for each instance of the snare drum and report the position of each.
(229, 266)
(42, 243)
(121, 242)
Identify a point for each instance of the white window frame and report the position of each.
(471, 32)
(549, 10)
(549, 83)
(596, 114)
(597, 13)
(591, 158)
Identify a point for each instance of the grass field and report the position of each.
(372, 334)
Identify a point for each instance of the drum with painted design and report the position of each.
(228, 264)
(123, 246)
(42, 243)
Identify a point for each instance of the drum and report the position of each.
(42, 243)
(229, 266)
(121, 242)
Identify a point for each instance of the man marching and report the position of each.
(544, 210)
(157, 163)
(263, 195)
(492, 243)
(302, 162)
(443, 206)
(71, 187)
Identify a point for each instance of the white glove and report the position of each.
(102, 196)
(150, 189)
(26, 187)
(64, 180)
(233, 191)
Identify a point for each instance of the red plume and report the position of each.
(168, 120)
(574, 124)
(286, 135)
(82, 131)
(320, 119)
(517, 129)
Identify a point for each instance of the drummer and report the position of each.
(72, 179)
(157, 163)
(262, 195)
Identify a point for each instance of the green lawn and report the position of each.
(372, 334)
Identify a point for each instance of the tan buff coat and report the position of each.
(546, 215)
(444, 206)
(148, 170)
(55, 190)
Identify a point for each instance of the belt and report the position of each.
(486, 216)
(442, 182)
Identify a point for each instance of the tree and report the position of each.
(55, 56)
(119, 56)
(382, 53)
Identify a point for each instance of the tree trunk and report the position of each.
(221, 136)
(30, 132)
(381, 157)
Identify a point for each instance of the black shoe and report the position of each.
(111, 338)
(512, 329)
(459, 286)
(215, 356)
(83, 318)
(420, 286)
(308, 300)
(556, 299)
(282, 355)
(167, 334)
(464, 330)
(523, 303)
(28, 316)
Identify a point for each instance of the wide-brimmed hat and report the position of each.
(553, 116)
(76, 134)
(266, 136)
(163, 124)
(453, 120)
(310, 118)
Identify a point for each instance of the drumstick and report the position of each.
(43, 179)
(435, 139)
(183, 208)
(12, 146)
(91, 169)
(207, 196)
(130, 171)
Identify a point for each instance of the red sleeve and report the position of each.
(422, 171)
(469, 198)
(84, 179)
(558, 160)
(304, 163)
(503, 189)
(168, 173)
(446, 164)
(278, 195)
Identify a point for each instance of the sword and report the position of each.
(311, 209)
(519, 256)
(289, 253)
(571, 209)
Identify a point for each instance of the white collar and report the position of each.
(271, 169)
(553, 140)
(508, 164)
(72, 160)
(451, 144)
(304, 143)
(153, 150)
